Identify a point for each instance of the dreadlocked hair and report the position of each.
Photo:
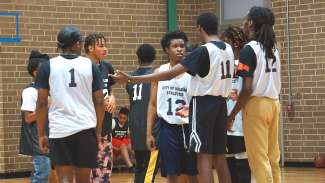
(263, 20)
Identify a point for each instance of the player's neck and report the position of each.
(211, 38)
(145, 66)
(172, 63)
(94, 59)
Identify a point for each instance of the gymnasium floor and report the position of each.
(290, 175)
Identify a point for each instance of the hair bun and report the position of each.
(37, 54)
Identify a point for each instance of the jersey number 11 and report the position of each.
(137, 93)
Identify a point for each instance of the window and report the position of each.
(233, 11)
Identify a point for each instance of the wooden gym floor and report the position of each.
(289, 175)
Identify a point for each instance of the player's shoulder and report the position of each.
(164, 67)
(107, 66)
(106, 63)
(29, 90)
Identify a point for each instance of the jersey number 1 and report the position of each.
(137, 95)
(72, 81)
(227, 75)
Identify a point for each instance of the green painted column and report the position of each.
(171, 15)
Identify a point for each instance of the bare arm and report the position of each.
(122, 77)
(42, 110)
(98, 100)
(151, 114)
(30, 117)
(242, 99)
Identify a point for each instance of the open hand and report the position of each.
(151, 142)
(230, 123)
(182, 111)
(43, 144)
(120, 77)
(110, 104)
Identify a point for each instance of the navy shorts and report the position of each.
(208, 121)
(175, 159)
(78, 150)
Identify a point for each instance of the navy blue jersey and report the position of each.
(139, 95)
(106, 68)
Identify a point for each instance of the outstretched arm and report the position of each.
(122, 77)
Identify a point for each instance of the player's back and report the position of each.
(218, 80)
(70, 88)
(139, 95)
(267, 74)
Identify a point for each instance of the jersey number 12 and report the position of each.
(137, 93)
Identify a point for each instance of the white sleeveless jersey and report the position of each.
(72, 109)
(171, 95)
(267, 77)
(218, 82)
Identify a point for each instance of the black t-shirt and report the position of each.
(120, 132)
(198, 62)
(106, 68)
(247, 62)
(139, 95)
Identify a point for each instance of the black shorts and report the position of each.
(78, 150)
(235, 144)
(208, 120)
(175, 159)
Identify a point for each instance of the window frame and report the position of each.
(220, 10)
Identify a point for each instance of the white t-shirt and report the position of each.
(29, 98)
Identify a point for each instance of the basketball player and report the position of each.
(95, 48)
(236, 154)
(259, 65)
(77, 108)
(177, 163)
(139, 93)
(121, 137)
(211, 67)
(28, 137)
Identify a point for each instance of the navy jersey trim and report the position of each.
(97, 78)
(43, 75)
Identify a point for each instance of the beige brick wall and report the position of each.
(127, 24)
(304, 128)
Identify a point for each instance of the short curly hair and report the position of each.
(146, 53)
(166, 39)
